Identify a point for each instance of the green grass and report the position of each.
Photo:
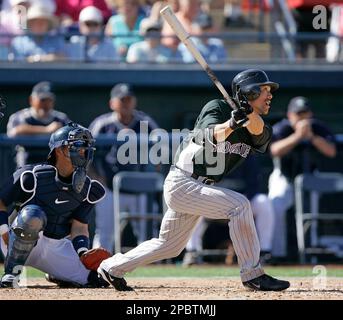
(208, 271)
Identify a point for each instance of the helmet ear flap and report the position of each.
(251, 92)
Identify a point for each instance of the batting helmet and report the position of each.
(75, 137)
(248, 82)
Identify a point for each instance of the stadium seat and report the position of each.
(309, 188)
(148, 183)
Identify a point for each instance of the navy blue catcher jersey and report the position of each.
(304, 157)
(41, 185)
(201, 154)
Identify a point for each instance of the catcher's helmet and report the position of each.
(248, 82)
(76, 137)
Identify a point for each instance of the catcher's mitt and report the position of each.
(92, 258)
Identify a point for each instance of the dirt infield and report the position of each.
(178, 289)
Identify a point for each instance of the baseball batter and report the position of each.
(54, 201)
(220, 141)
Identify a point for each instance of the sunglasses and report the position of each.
(92, 24)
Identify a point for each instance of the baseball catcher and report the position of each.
(53, 201)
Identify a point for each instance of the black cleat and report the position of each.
(62, 283)
(266, 283)
(118, 283)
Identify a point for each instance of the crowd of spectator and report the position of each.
(98, 30)
(37, 30)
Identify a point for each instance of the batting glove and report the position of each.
(238, 119)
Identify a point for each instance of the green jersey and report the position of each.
(200, 153)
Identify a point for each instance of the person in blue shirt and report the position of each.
(41, 43)
(124, 26)
(91, 45)
(53, 201)
(123, 119)
(39, 119)
(151, 50)
(296, 143)
(212, 49)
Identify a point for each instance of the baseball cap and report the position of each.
(298, 105)
(90, 13)
(149, 25)
(43, 90)
(121, 90)
(39, 11)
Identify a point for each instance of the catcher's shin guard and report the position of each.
(23, 237)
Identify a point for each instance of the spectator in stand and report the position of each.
(69, 10)
(124, 27)
(211, 48)
(91, 46)
(334, 46)
(151, 50)
(154, 14)
(233, 14)
(293, 140)
(188, 12)
(41, 43)
(11, 20)
(304, 18)
(39, 119)
(11, 23)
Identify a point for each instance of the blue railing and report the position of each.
(103, 144)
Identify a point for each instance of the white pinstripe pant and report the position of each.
(188, 200)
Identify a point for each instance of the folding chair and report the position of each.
(148, 183)
(315, 185)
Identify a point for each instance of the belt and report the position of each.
(202, 179)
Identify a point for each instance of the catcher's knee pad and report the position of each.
(23, 237)
(30, 221)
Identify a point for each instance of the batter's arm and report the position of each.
(256, 124)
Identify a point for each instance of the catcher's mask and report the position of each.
(80, 144)
(246, 84)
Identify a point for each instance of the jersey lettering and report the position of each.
(241, 149)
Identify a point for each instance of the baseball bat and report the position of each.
(185, 38)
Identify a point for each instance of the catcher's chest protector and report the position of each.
(57, 199)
